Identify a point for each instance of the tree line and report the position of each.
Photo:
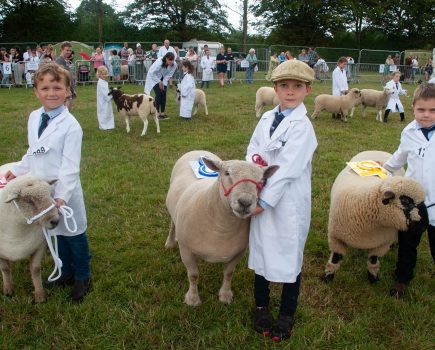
(398, 24)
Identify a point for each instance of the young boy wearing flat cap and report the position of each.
(279, 228)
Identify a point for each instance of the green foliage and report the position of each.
(138, 289)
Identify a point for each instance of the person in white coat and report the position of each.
(417, 150)
(157, 80)
(187, 90)
(55, 137)
(106, 119)
(207, 68)
(339, 80)
(278, 231)
(394, 103)
(163, 50)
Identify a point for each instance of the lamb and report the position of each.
(337, 104)
(265, 96)
(24, 197)
(139, 104)
(210, 217)
(200, 100)
(368, 212)
(374, 98)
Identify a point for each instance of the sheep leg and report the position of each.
(343, 115)
(205, 109)
(258, 107)
(189, 260)
(8, 286)
(35, 271)
(363, 111)
(127, 123)
(195, 109)
(156, 120)
(315, 113)
(225, 292)
(332, 267)
(379, 115)
(373, 263)
(170, 241)
(145, 126)
(351, 112)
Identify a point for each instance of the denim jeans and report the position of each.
(249, 74)
(160, 98)
(75, 256)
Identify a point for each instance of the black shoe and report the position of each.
(283, 327)
(80, 289)
(163, 117)
(263, 320)
(385, 120)
(62, 281)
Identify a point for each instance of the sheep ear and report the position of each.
(12, 196)
(214, 165)
(52, 182)
(269, 171)
(388, 196)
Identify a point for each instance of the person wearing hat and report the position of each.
(285, 137)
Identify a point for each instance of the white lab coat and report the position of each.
(56, 155)
(106, 120)
(339, 81)
(163, 51)
(278, 234)
(187, 92)
(207, 68)
(419, 154)
(394, 97)
(157, 72)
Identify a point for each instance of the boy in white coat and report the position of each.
(187, 90)
(339, 80)
(278, 231)
(106, 119)
(394, 103)
(417, 150)
(55, 138)
(207, 68)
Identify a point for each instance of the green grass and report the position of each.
(138, 290)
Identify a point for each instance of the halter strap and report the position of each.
(258, 184)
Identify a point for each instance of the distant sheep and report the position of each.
(265, 96)
(373, 98)
(337, 104)
(200, 100)
(140, 105)
(24, 197)
(368, 212)
(210, 217)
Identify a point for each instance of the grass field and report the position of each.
(138, 286)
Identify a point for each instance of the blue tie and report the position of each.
(278, 118)
(44, 122)
(426, 131)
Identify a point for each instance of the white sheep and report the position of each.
(373, 98)
(210, 217)
(368, 212)
(139, 104)
(337, 104)
(24, 197)
(200, 100)
(265, 96)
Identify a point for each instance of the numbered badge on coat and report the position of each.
(39, 150)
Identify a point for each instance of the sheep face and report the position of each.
(388, 91)
(403, 202)
(115, 92)
(33, 196)
(241, 183)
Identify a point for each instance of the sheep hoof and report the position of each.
(192, 300)
(398, 290)
(372, 278)
(170, 244)
(327, 277)
(226, 297)
(39, 297)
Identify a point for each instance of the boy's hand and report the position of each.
(59, 202)
(258, 210)
(9, 176)
(161, 86)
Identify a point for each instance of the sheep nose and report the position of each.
(54, 223)
(244, 203)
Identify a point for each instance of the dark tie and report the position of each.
(397, 86)
(426, 131)
(44, 122)
(278, 118)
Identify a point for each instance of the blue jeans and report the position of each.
(249, 74)
(160, 98)
(75, 256)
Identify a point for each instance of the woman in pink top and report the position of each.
(97, 58)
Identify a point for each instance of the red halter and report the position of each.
(259, 185)
(257, 159)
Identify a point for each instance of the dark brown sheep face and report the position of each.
(416, 215)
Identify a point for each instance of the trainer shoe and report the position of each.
(163, 117)
(80, 289)
(263, 320)
(283, 327)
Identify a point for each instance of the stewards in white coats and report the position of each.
(106, 119)
(207, 68)
(283, 137)
(157, 80)
(163, 50)
(394, 104)
(187, 90)
(339, 78)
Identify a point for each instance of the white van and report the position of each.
(198, 46)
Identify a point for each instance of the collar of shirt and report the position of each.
(55, 112)
(419, 126)
(286, 112)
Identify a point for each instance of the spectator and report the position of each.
(30, 70)
(289, 56)
(97, 58)
(139, 63)
(115, 61)
(273, 63)
(388, 63)
(153, 55)
(192, 57)
(350, 68)
(231, 61)
(6, 80)
(39, 52)
(27, 54)
(396, 60)
(65, 60)
(282, 57)
(178, 70)
(428, 69)
(415, 67)
(124, 54)
(252, 60)
(321, 68)
(207, 68)
(312, 57)
(221, 66)
(165, 49)
(303, 56)
(130, 61)
(50, 51)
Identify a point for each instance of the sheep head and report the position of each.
(115, 92)
(33, 195)
(403, 204)
(388, 91)
(241, 183)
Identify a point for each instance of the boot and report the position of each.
(283, 327)
(263, 320)
(80, 289)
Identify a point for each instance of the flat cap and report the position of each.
(293, 69)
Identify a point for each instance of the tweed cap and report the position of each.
(293, 69)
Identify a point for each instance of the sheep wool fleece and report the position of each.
(278, 234)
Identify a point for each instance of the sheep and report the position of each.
(24, 197)
(337, 104)
(200, 100)
(368, 212)
(210, 217)
(139, 104)
(373, 98)
(265, 96)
